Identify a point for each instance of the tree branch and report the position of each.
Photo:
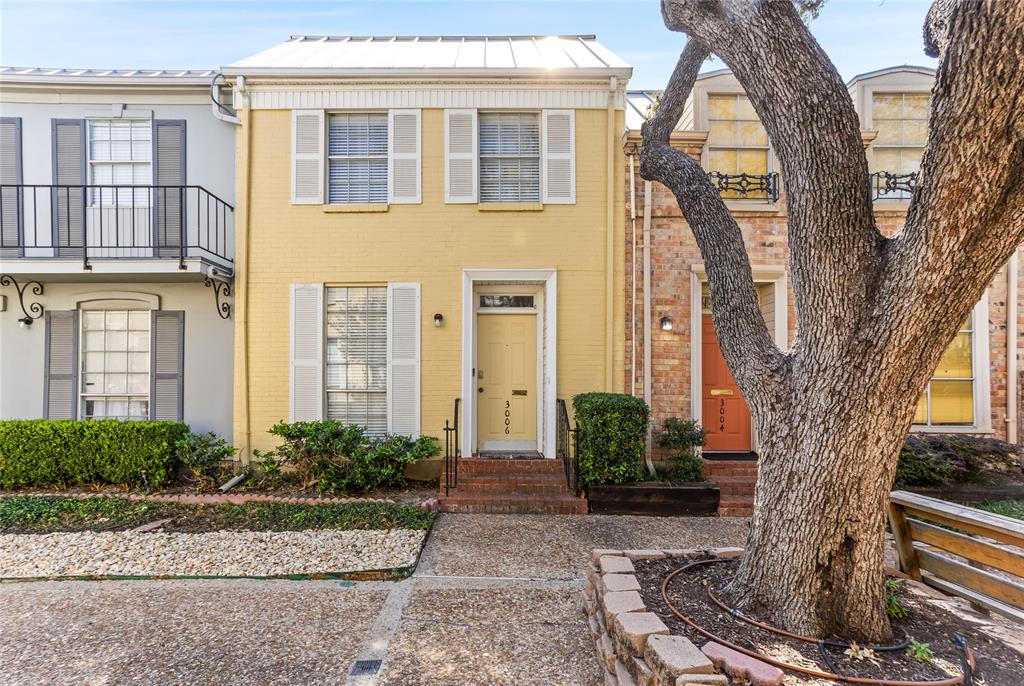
(815, 134)
(742, 332)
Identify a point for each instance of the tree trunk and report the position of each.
(874, 313)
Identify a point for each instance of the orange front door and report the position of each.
(725, 416)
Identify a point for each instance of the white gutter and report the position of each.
(1011, 347)
(215, 101)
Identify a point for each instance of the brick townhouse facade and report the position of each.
(673, 361)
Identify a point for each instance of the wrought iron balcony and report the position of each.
(747, 186)
(121, 222)
(889, 186)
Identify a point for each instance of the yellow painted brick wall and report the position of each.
(430, 243)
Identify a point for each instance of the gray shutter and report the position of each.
(11, 197)
(60, 393)
(69, 171)
(404, 359)
(307, 357)
(169, 175)
(166, 394)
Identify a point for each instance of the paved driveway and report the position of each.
(495, 600)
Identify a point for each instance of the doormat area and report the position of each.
(510, 455)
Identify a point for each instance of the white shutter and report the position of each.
(307, 345)
(307, 157)
(558, 147)
(404, 359)
(404, 156)
(460, 144)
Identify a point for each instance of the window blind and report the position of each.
(509, 157)
(357, 150)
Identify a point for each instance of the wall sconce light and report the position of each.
(438, 318)
(666, 324)
(25, 322)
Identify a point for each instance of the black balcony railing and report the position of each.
(747, 186)
(889, 186)
(98, 222)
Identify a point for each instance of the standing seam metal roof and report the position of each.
(396, 53)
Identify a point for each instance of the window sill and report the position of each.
(752, 206)
(510, 206)
(367, 207)
(920, 429)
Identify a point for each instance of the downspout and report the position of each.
(221, 111)
(242, 255)
(633, 261)
(647, 316)
(609, 262)
(1011, 347)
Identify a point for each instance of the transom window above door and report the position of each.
(509, 157)
(115, 364)
(357, 156)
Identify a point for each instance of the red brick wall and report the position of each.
(674, 253)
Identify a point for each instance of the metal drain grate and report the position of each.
(365, 667)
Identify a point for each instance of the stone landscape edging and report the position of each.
(635, 648)
(220, 498)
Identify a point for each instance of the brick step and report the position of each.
(736, 511)
(487, 466)
(552, 482)
(726, 472)
(727, 490)
(492, 504)
(511, 489)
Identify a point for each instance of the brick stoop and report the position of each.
(511, 486)
(736, 481)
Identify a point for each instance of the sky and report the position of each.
(858, 35)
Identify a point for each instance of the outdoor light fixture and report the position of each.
(666, 324)
(25, 322)
(438, 318)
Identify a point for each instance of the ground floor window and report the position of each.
(115, 364)
(948, 398)
(357, 356)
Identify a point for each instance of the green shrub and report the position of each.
(938, 460)
(64, 452)
(681, 436)
(204, 454)
(342, 457)
(613, 434)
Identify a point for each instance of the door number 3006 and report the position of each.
(508, 416)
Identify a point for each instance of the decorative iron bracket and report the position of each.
(34, 310)
(220, 289)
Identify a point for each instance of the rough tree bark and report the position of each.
(874, 314)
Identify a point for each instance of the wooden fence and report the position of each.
(949, 547)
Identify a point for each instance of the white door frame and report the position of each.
(547, 322)
(764, 274)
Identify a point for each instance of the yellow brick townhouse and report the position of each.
(423, 221)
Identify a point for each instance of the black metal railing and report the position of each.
(93, 221)
(452, 451)
(568, 448)
(889, 186)
(747, 186)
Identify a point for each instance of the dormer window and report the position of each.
(737, 142)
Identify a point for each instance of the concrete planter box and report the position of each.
(655, 498)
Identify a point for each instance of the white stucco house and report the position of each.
(116, 246)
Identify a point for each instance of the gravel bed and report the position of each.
(220, 553)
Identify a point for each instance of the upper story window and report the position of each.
(737, 142)
(901, 120)
(509, 157)
(120, 153)
(357, 155)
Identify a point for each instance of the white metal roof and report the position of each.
(107, 76)
(579, 55)
(912, 68)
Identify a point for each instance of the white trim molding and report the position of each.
(548, 279)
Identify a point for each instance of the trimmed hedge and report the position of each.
(613, 434)
(67, 452)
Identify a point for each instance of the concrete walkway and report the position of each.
(495, 600)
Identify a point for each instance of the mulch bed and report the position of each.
(997, 664)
